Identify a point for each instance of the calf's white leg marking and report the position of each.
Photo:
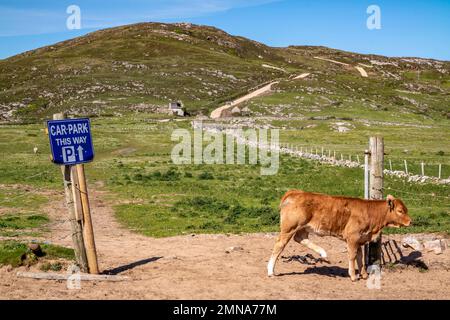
(270, 266)
(302, 238)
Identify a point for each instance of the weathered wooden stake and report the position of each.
(88, 230)
(423, 168)
(75, 224)
(376, 190)
(406, 167)
(440, 170)
(366, 174)
(366, 194)
(390, 164)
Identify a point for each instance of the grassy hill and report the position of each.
(144, 66)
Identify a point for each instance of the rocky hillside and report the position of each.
(144, 66)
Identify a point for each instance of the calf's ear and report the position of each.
(390, 200)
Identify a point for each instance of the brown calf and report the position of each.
(354, 220)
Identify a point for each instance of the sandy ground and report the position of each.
(199, 267)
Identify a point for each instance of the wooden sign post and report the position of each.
(76, 193)
(75, 224)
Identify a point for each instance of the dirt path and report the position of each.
(360, 69)
(362, 72)
(273, 67)
(333, 61)
(219, 112)
(199, 267)
(301, 76)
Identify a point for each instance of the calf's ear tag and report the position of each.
(390, 201)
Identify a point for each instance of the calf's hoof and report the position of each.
(354, 278)
(364, 276)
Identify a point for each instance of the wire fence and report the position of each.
(440, 170)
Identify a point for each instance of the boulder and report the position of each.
(412, 243)
(236, 110)
(438, 246)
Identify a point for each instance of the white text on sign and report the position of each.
(62, 129)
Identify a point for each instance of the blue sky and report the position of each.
(408, 28)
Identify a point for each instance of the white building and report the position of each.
(177, 109)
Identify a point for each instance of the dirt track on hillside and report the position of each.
(198, 267)
(217, 113)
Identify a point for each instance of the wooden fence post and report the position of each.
(376, 190)
(75, 224)
(366, 174)
(440, 170)
(366, 195)
(406, 167)
(423, 168)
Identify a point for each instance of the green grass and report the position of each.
(16, 253)
(21, 221)
(133, 161)
(21, 213)
(239, 200)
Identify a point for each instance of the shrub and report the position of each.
(204, 204)
(211, 225)
(205, 175)
(47, 266)
(170, 175)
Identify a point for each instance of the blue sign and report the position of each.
(70, 141)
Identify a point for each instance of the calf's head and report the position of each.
(397, 215)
